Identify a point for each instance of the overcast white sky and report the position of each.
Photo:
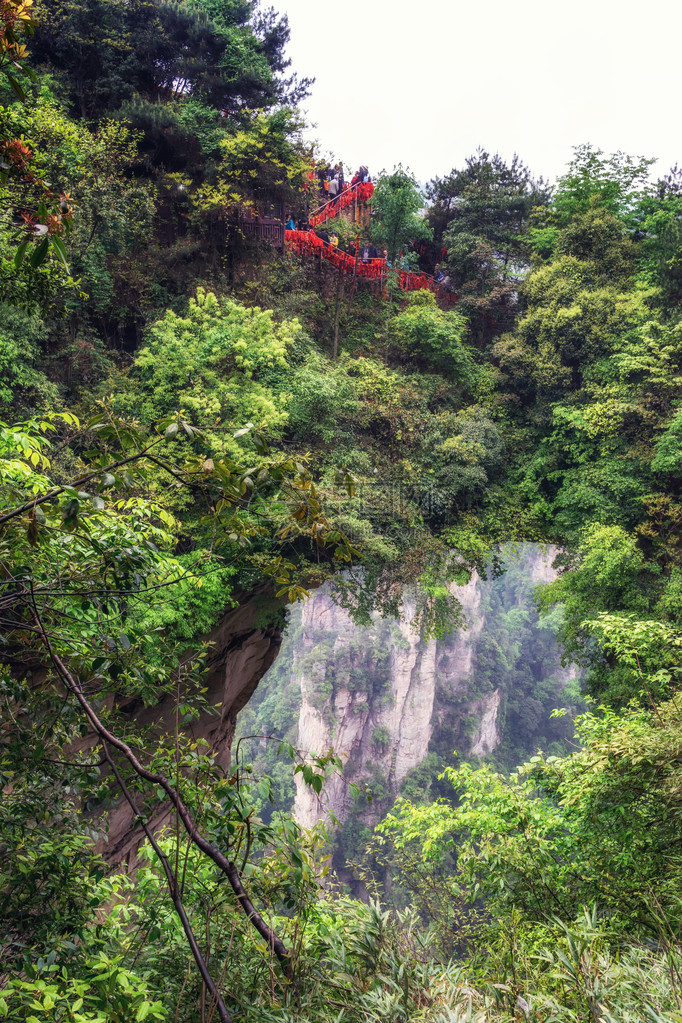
(427, 81)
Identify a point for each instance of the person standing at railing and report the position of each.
(290, 224)
(334, 240)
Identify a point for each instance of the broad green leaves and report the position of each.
(216, 363)
(397, 203)
(564, 831)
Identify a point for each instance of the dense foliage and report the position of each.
(199, 421)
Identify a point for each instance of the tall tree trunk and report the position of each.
(339, 294)
(354, 281)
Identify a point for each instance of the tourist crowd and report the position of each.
(332, 180)
(309, 235)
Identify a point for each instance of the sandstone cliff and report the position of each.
(381, 696)
(242, 651)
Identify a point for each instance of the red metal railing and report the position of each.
(307, 243)
(360, 192)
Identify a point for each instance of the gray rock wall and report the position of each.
(383, 731)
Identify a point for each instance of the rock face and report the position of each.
(380, 718)
(487, 734)
(243, 651)
(381, 696)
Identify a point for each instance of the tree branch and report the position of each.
(77, 483)
(228, 868)
(173, 889)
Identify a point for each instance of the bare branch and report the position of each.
(228, 868)
(173, 889)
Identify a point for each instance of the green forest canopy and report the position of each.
(180, 433)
